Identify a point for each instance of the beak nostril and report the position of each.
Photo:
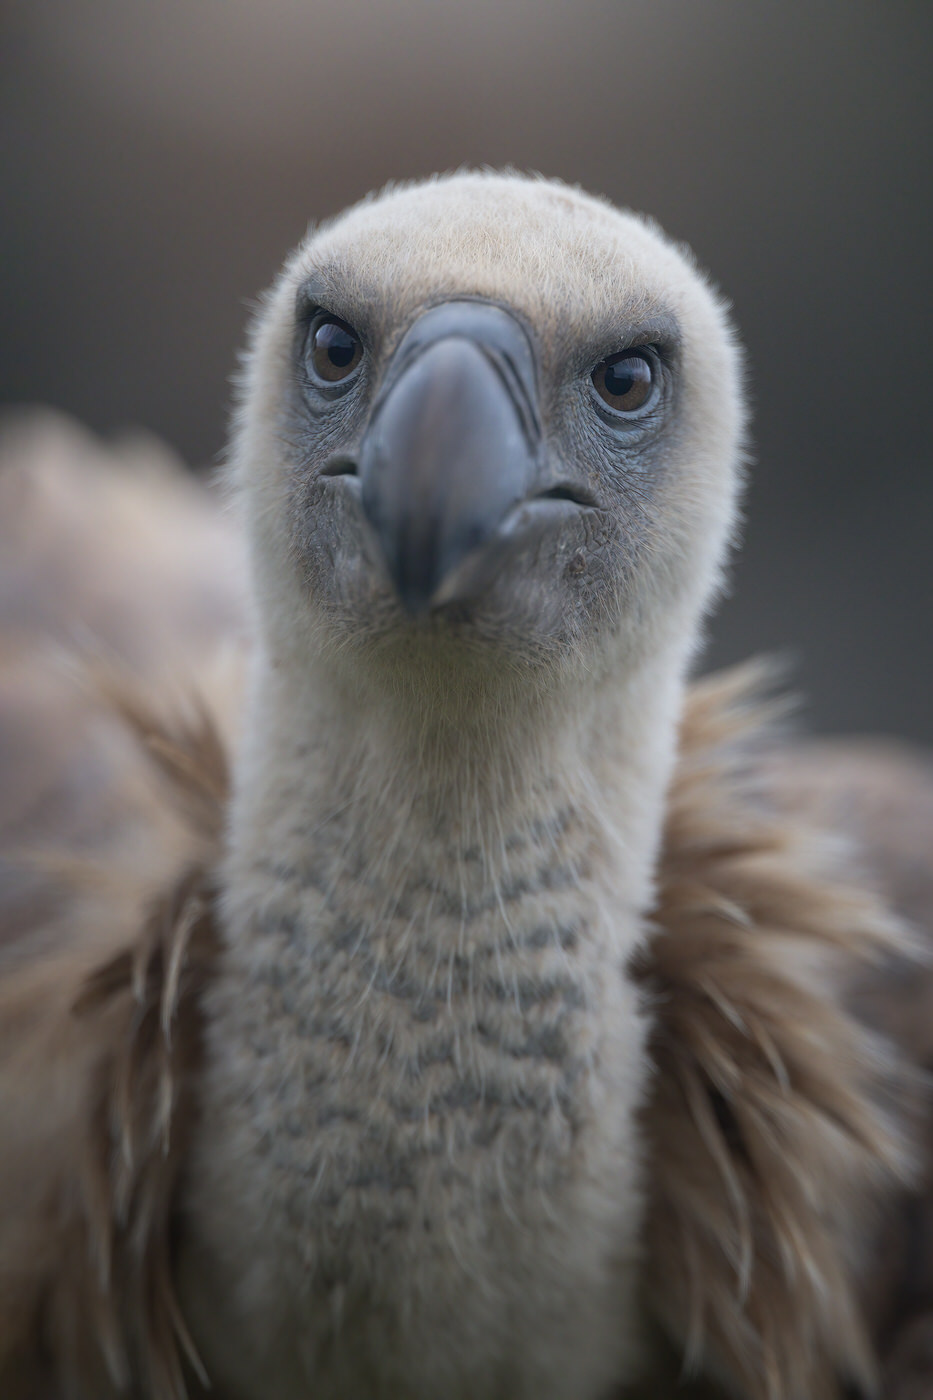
(340, 465)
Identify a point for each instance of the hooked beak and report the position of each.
(452, 452)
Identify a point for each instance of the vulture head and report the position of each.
(489, 422)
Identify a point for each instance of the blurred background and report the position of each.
(157, 161)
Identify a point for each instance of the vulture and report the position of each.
(412, 984)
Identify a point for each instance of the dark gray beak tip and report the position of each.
(422, 578)
(416, 590)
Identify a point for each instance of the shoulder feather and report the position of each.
(102, 1044)
(775, 1123)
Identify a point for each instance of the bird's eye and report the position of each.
(335, 349)
(625, 382)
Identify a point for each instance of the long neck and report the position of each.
(462, 796)
(422, 1035)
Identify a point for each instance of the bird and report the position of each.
(412, 982)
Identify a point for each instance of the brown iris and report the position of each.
(335, 349)
(625, 382)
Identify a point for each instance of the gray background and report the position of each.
(157, 160)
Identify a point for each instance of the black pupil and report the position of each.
(619, 380)
(338, 345)
(622, 377)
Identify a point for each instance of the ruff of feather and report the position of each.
(90, 1303)
(774, 1119)
(766, 1127)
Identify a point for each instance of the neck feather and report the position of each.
(469, 793)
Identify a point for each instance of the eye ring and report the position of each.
(334, 349)
(626, 383)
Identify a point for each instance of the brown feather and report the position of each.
(117, 543)
(92, 1281)
(773, 1123)
(880, 793)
